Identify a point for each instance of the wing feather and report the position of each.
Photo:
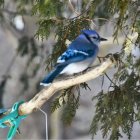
(72, 56)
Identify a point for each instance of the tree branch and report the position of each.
(59, 84)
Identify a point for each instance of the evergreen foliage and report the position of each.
(118, 108)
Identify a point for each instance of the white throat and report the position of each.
(96, 42)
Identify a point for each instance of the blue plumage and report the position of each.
(79, 56)
(49, 78)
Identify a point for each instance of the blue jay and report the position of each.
(78, 57)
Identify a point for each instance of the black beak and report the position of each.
(103, 39)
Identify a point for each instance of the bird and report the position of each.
(78, 57)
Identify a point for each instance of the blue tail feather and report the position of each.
(52, 75)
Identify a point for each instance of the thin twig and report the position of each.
(72, 8)
(99, 58)
(110, 79)
(105, 19)
(80, 14)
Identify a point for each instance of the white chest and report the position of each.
(77, 67)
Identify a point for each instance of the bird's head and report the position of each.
(93, 36)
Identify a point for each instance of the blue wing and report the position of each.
(71, 56)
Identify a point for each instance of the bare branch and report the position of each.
(72, 8)
(59, 84)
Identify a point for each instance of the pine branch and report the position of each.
(59, 84)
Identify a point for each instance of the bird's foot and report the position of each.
(105, 57)
(82, 72)
(101, 58)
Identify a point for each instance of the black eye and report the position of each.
(94, 37)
